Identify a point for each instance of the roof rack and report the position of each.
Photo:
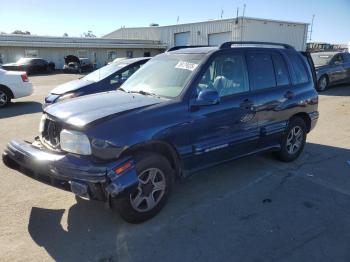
(229, 44)
(184, 46)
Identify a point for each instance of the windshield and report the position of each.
(321, 59)
(164, 76)
(104, 72)
(23, 60)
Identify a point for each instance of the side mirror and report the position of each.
(207, 97)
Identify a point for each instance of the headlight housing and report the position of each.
(75, 142)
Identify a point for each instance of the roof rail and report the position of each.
(229, 44)
(184, 46)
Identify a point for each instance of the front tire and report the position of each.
(5, 97)
(322, 84)
(293, 141)
(155, 182)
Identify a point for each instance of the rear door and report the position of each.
(272, 90)
(338, 73)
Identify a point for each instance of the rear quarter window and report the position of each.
(299, 68)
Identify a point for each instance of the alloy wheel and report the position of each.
(150, 190)
(295, 140)
(3, 98)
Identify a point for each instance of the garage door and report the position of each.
(182, 38)
(219, 38)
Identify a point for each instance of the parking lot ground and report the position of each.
(253, 209)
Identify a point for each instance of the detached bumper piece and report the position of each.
(72, 172)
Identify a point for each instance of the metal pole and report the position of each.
(312, 25)
(242, 26)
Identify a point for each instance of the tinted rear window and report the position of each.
(299, 68)
(281, 71)
(261, 71)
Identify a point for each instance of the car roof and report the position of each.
(195, 50)
(133, 60)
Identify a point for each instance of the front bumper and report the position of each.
(71, 172)
(313, 117)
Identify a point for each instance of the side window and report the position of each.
(346, 57)
(338, 59)
(281, 71)
(261, 71)
(226, 74)
(121, 78)
(299, 68)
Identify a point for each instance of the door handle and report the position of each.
(289, 95)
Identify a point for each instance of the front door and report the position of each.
(338, 72)
(229, 129)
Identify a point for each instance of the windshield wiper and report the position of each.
(121, 89)
(144, 93)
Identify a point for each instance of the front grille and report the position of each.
(51, 133)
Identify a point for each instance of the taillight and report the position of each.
(24, 78)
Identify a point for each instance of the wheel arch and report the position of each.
(7, 89)
(161, 147)
(305, 117)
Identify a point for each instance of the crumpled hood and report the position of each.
(70, 86)
(86, 109)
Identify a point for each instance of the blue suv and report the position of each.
(185, 110)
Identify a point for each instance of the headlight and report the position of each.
(66, 96)
(75, 142)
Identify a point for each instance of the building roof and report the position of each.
(203, 22)
(71, 42)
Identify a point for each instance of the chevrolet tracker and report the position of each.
(185, 110)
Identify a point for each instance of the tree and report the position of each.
(89, 34)
(20, 32)
(65, 35)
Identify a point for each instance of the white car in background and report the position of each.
(13, 85)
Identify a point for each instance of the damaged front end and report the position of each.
(75, 173)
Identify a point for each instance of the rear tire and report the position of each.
(322, 83)
(293, 141)
(156, 179)
(5, 97)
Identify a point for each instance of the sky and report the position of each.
(49, 17)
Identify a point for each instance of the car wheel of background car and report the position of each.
(155, 181)
(293, 141)
(322, 83)
(5, 97)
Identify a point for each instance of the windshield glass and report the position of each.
(321, 59)
(165, 76)
(23, 60)
(104, 72)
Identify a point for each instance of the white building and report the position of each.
(99, 50)
(215, 32)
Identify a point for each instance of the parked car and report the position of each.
(183, 111)
(75, 64)
(13, 85)
(31, 66)
(331, 68)
(107, 78)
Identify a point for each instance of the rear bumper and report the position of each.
(70, 172)
(22, 89)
